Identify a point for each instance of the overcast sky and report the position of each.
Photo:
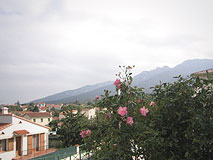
(49, 46)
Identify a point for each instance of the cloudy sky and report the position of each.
(49, 46)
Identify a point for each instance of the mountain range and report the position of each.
(145, 79)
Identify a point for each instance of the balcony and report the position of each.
(35, 152)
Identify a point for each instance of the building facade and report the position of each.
(42, 118)
(20, 137)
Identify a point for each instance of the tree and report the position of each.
(33, 108)
(53, 125)
(14, 108)
(71, 126)
(184, 119)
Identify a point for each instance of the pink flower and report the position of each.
(152, 103)
(122, 111)
(119, 86)
(116, 82)
(140, 101)
(85, 133)
(96, 97)
(144, 111)
(130, 121)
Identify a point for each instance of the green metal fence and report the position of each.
(71, 153)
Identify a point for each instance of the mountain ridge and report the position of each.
(145, 79)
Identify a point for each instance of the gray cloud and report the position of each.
(48, 46)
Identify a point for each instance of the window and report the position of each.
(3, 145)
(41, 119)
(6, 144)
(34, 120)
(48, 119)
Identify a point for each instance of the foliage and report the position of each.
(70, 128)
(178, 125)
(53, 124)
(185, 123)
(71, 107)
(14, 108)
(55, 113)
(33, 108)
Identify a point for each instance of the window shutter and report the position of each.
(11, 146)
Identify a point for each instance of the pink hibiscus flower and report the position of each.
(130, 121)
(83, 134)
(144, 111)
(122, 111)
(152, 103)
(116, 82)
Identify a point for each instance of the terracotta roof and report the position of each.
(4, 125)
(56, 118)
(55, 105)
(74, 111)
(61, 113)
(21, 132)
(24, 112)
(203, 72)
(38, 114)
(43, 108)
(9, 114)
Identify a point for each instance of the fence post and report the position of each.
(78, 150)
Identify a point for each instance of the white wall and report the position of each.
(38, 120)
(30, 127)
(24, 125)
(7, 155)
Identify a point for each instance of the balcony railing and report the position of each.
(34, 152)
(70, 153)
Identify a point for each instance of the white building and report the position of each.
(42, 118)
(20, 137)
(42, 109)
(89, 113)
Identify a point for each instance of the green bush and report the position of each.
(178, 124)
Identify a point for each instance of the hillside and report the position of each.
(145, 79)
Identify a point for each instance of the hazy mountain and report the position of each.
(145, 79)
(72, 93)
(149, 79)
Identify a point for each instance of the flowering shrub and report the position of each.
(175, 122)
(119, 122)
